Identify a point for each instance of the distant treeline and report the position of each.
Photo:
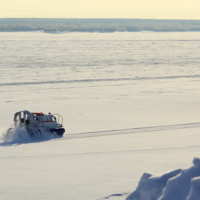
(96, 25)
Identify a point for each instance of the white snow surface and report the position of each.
(119, 95)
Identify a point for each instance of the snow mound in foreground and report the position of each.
(175, 185)
(195, 189)
(20, 135)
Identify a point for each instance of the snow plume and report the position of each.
(20, 135)
(176, 185)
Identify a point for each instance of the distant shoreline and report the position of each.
(62, 25)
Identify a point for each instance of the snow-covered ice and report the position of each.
(104, 86)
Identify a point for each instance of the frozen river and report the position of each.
(98, 82)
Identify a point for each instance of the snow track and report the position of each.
(132, 130)
(26, 139)
(98, 80)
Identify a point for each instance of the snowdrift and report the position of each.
(175, 185)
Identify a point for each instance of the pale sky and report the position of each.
(154, 9)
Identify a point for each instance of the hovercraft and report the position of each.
(39, 120)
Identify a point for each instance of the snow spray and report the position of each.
(19, 135)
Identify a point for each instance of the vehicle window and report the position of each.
(53, 119)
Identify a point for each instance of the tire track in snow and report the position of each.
(131, 131)
(117, 132)
(98, 80)
(100, 152)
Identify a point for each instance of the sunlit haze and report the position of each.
(156, 9)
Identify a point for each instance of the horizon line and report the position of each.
(95, 18)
